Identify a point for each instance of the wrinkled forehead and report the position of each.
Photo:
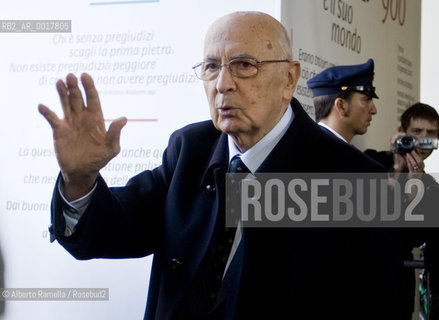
(255, 34)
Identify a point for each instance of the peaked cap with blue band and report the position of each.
(341, 79)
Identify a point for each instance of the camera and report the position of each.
(407, 143)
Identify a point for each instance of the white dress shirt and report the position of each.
(253, 158)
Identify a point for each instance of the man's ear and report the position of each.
(400, 129)
(341, 107)
(293, 78)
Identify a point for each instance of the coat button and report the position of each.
(210, 188)
(176, 264)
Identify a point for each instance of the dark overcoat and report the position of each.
(284, 273)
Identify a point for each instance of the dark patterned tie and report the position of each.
(237, 166)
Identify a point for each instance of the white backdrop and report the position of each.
(140, 54)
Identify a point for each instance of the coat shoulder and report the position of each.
(349, 157)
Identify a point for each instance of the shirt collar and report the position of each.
(333, 131)
(254, 156)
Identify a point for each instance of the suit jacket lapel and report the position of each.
(213, 179)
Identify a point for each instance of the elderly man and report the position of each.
(201, 269)
(343, 99)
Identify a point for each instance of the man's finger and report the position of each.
(416, 156)
(75, 95)
(64, 98)
(413, 164)
(49, 115)
(113, 134)
(91, 94)
(418, 161)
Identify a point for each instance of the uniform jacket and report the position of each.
(283, 272)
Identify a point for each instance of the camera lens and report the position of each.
(404, 144)
(407, 142)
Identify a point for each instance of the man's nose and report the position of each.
(225, 81)
(373, 108)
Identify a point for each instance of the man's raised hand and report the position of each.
(82, 144)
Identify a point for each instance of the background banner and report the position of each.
(334, 32)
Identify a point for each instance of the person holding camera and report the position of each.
(413, 143)
(410, 146)
(343, 99)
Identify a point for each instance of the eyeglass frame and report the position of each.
(256, 62)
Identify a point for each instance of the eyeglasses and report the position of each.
(240, 68)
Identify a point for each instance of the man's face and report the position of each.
(423, 128)
(247, 108)
(359, 113)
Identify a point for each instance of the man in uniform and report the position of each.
(343, 99)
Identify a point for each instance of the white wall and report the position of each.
(155, 109)
(430, 66)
